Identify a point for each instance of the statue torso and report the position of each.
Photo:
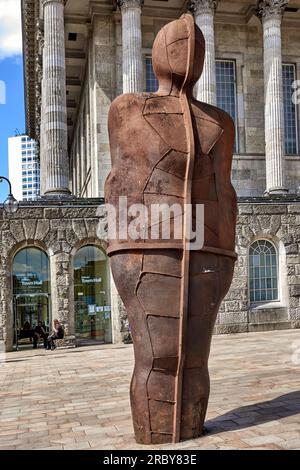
(152, 156)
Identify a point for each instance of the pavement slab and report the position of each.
(79, 398)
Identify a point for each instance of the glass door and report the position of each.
(31, 289)
(28, 311)
(92, 295)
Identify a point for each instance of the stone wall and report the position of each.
(279, 223)
(90, 154)
(242, 43)
(60, 232)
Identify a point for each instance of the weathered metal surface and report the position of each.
(168, 148)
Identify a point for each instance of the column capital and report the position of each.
(198, 7)
(130, 3)
(45, 2)
(267, 9)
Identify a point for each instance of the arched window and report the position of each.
(31, 272)
(263, 264)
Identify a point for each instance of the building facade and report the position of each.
(23, 168)
(80, 55)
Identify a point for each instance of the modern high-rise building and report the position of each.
(24, 168)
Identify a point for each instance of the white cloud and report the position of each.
(10, 28)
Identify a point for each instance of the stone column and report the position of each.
(132, 45)
(204, 12)
(270, 12)
(54, 125)
(119, 54)
(6, 300)
(116, 311)
(62, 288)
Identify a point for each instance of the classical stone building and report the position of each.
(78, 56)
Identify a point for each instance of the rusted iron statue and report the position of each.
(166, 147)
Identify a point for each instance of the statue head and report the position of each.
(178, 55)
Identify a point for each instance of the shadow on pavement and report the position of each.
(253, 415)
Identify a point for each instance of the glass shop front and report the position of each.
(31, 294)
(92, 295)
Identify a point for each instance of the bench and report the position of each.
(66, 342)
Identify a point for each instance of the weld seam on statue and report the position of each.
(184, 285)
(166, 146)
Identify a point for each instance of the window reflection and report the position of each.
(92, 295)
(31, 289)
(263, 266)
(30, 272)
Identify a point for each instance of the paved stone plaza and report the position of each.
(79, 398)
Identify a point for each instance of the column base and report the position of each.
(276, 191)
(57, 195)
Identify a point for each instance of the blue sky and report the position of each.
(11, 79)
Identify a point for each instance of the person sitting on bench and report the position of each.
(40, 332)
(58, 333)
(26, 332)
